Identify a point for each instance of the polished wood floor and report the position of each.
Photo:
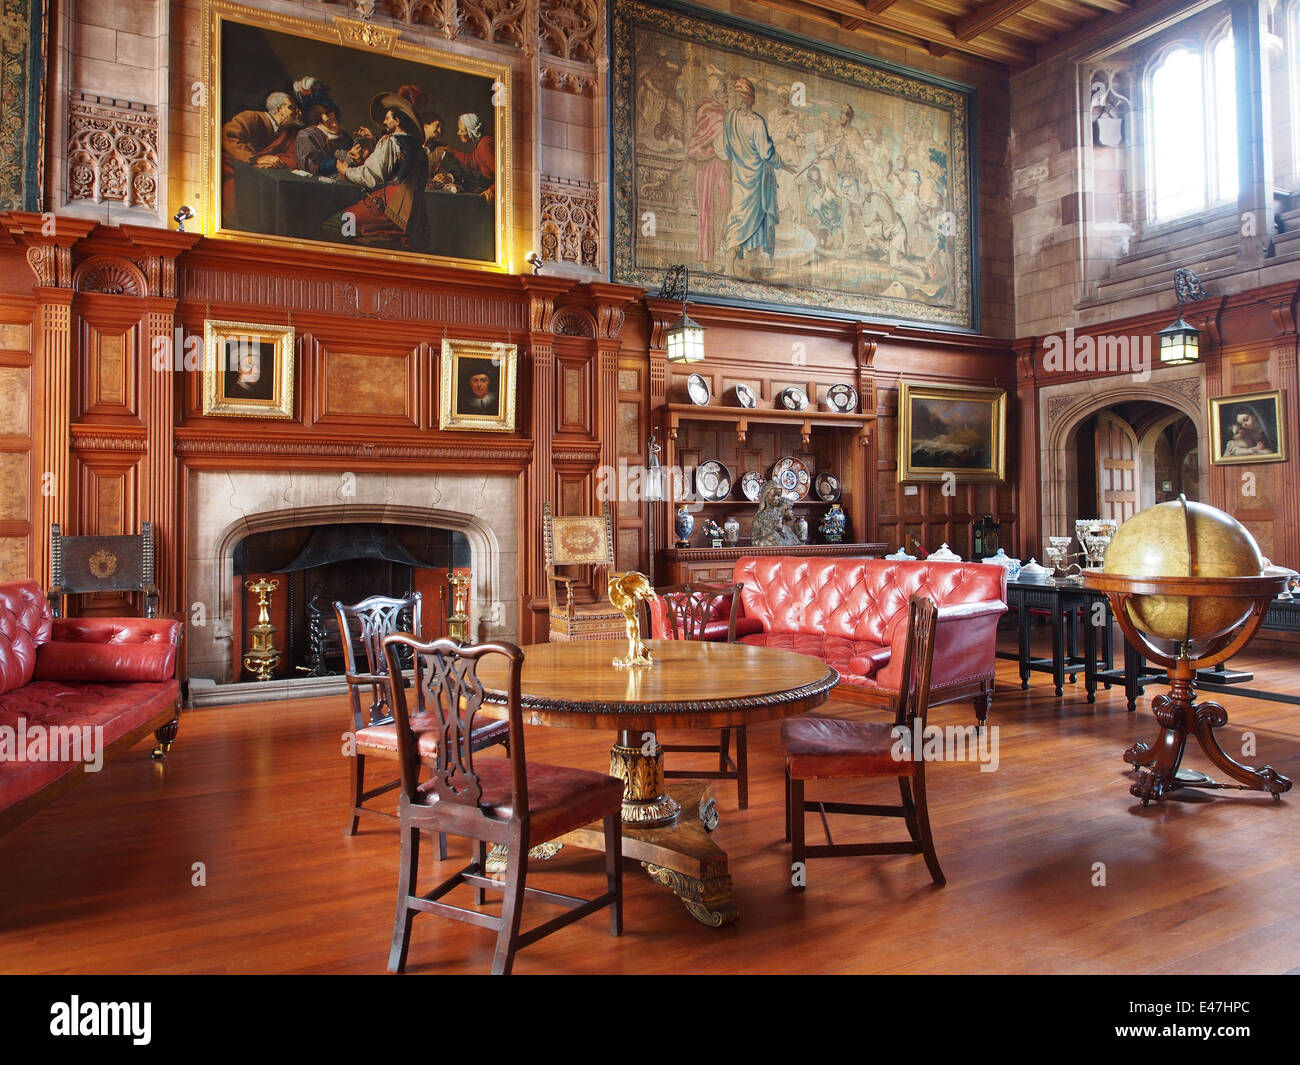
(105, 880)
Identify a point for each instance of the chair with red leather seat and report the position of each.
(825, 748)
(492, 800)
(367, 623)
(699, 611)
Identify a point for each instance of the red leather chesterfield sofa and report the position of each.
(61, 680)
(852, 614)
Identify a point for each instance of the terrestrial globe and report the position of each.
(1185, 539)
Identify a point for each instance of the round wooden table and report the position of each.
(689, 685)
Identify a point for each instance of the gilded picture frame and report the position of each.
(951, 431)
(477, 385)
(344, 135)
(248, 370)
(788, 172)
(1247, 428)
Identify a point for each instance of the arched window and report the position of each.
(1192, 161)
(1223, 113)
(1175, 135)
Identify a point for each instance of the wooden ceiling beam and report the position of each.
(1049, 16)
(921, 29)
(1115, 7)
(875, 7)
(985, 18)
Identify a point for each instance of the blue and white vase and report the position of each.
(684, 526)
(832, 526)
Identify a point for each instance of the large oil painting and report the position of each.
(341, 133)
(951, 433)
(785, 174)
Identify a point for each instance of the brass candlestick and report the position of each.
(262, 658)
(458, 623)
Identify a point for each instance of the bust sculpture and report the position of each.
(774, 523)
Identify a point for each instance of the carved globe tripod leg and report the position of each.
(638, 761)
(1158, 765)
(1205, 719)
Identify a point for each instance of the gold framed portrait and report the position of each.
(1247, 428)
(951, 430)
(343, 134)
(247, 370)
(477, 385)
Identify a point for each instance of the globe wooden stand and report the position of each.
(1177, 711)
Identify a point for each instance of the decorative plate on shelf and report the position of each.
(828, 487)
(751, 484)
(745, 396)
(712, 481)
(698, 390)
(793, 399)
(793, 477)
(842, 398)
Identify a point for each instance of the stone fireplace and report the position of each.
(227, 506)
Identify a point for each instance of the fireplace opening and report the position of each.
(316, 565)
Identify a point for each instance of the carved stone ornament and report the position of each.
(496, 21)
(570, 221)
(567, 28)
(570, 81)
(112, 151)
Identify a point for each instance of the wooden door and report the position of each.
(1117, 467)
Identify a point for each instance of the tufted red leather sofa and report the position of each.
(852, 614)
(56, 676)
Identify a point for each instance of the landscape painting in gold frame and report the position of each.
(341, 134)
(477, 388)
(247, 370)
(951, 431)
(1247, 428)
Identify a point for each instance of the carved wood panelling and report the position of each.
(108, 370)
(112, 151)
(367, 388)
(13, 558)
(198, 445)
(112, 277)
(15, 336)
(15, 478)
(15, 400)
(573, 322)
(570, 221)
(573, 385)
(107, 496)
(389, 303)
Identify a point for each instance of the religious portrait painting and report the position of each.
(477, 385)
(248, 369)
(342, 133)
(1247, 428)
(783, 174)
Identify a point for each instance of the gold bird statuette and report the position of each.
(625, 589)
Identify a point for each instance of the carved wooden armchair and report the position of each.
(84, 565)
(580, 606)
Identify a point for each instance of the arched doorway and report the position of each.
(1166, 417)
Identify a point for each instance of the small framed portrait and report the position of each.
(247, 370)
(1247, 428)
(951, 430)
(478, 385)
